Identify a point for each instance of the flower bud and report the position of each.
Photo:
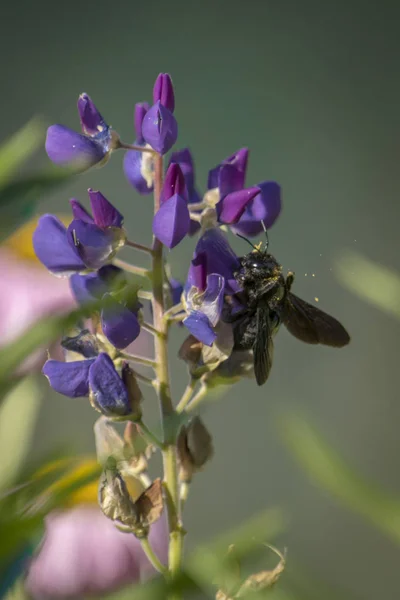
(174, 183)
(134, 392)
(172, 221)
(194, 447)
(159, 128)
(141, 109)
(163, 91)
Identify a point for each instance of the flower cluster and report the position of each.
(98, 364)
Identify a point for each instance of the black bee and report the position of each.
(269, 302)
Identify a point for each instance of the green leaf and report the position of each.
(330, 472)
(370, 281)
(19, 147)
(18, 413)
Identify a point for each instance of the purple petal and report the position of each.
(80, 211)
(52, 248)
(69, 378)
(109, 391)
(174, 183)
(104, 213)
(172, 221)
(138, 169)
(184, 159)
(198, 271)
(160, 128)
(213, 298)
(120, 325)
(265, 207)
(141, 109)
(95, 246)
(93, 286)
(163, 91)
(233, 205)
(199, 326)
(66, 147)
(91, 120)
(176, 289)
(229, 176)
(221, 258)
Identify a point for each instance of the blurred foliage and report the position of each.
(370, 281)
(332, 473)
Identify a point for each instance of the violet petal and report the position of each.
(233, 205)
(229, 176)
(163, 91)
(172, 221)
(160, 128)
(52, 248)
(104, 213)
(213, 298)
(198, 271)
(91, 120)
(66, 147)
(94, 246)
(199, 326)
(109, 392)
(138, 170)
(141, 109)
(265, 207)
(120, 325)
(174, 183)
(69, 378)
(80, 212)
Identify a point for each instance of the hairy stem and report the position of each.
(167, 410)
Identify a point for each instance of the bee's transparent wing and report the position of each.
(311, 325)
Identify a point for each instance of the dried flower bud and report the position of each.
(195, 448)
(117, 504)
(263, 580)
(134, 392)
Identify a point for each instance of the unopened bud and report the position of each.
(163, 91)
(174, 183)
(134, 392)
(194, 447)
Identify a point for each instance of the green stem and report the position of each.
(122, 264)
(140, 360)
(149, 435)
(137, 148)
(171, 483)
(186, 396)
(199, 397)
(150, 328)
(139, 247)
(153, 558)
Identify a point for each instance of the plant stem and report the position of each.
(164, 394)
(140, 360)
(150, 328)
(144, 379)
(139, 247)
(122, 264)
(187, 395)
(149, 435)
(137, 148)
(173, 310)
(198, 398)
(153, 558)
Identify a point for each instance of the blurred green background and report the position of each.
(312, 88)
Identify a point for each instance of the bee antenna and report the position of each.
(266, 234)
(248, 241)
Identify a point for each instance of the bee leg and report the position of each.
(289, 280)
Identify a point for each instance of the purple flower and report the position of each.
(160, 128)
(138, 166)
(185, 160)
(97, 558)
(204, 307)
(229, 176)
(81, 151)
(244, 209)
(217, 257)
(96, 375)
(119, 312)
(266, 207)
(172, 220)
(163, 91)
(53, 249)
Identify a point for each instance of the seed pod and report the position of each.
(194, 447)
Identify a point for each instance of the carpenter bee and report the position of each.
(269, 302)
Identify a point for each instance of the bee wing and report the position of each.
(311, 325)
(263, 347)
